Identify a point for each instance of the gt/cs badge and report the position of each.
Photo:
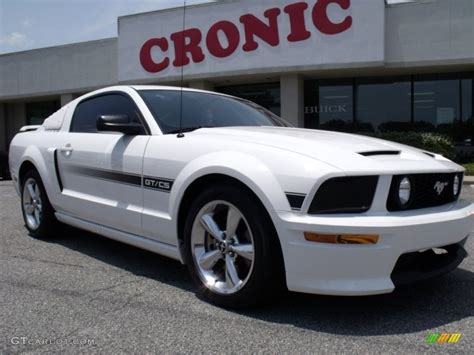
(157, 184)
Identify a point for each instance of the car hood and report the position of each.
(348, 152)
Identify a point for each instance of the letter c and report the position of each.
(145, 55)
(324, 24)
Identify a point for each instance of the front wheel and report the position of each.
(232, 249)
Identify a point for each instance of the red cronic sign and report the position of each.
(188, 44)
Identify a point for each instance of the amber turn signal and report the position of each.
(341, 238)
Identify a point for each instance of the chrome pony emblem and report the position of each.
(439, 187)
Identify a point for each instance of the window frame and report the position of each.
(115, 92)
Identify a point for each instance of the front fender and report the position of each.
(249, 170)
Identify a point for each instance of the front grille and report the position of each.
(424, 191)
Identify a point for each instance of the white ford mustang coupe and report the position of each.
(250, 204)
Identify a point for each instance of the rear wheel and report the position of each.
(232, 249)
(38, 213)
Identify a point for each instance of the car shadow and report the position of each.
(411, 309)
(420, 307)
(126, 257)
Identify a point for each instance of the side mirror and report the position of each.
(118, 123)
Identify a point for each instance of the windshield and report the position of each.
(205, 110)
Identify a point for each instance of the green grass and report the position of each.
(469, 169)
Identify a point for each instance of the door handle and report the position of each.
(67, 149)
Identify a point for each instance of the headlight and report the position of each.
(404, 191)
(456, 185)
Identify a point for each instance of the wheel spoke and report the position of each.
(29, 209)
(244, 250)
(233, 220)
(209, 259)
(37, 193)
(231, 276)
(31, 191)
(211, 226)
(37, 216)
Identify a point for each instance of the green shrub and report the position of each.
(469, 169)
(431, 142)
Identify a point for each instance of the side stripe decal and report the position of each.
(151, 183)
(110, 175)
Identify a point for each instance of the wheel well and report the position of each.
(199, 185)
(24, 168)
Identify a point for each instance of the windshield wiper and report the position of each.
(187, 129)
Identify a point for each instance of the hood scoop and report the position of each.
(380, 152)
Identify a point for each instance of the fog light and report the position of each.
(404, 191)
(456, 185)
(341, 238)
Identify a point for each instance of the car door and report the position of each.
(101, 172)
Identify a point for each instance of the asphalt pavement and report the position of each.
(84, 293)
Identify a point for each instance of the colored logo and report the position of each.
(440, 338)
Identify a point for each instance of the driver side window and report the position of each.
(85, 116)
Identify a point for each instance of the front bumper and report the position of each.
(427, 264)
(337, 269)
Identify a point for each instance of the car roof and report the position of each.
(173, 88)
(148, 87)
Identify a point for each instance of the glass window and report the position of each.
(265, 95)
(329, 105)
(37, 112)
(467, 114)
(87, 112)
(436, 105)
(384, 104)
(204, 110)
(440, 103)
(467, 87)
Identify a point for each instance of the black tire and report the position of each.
(48, 224)
(266, 279)
(4, 172)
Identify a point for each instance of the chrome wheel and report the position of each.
(222, 247)
(32, 205)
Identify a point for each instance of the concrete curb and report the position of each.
(468, 180)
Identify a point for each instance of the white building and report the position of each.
(352, 65)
